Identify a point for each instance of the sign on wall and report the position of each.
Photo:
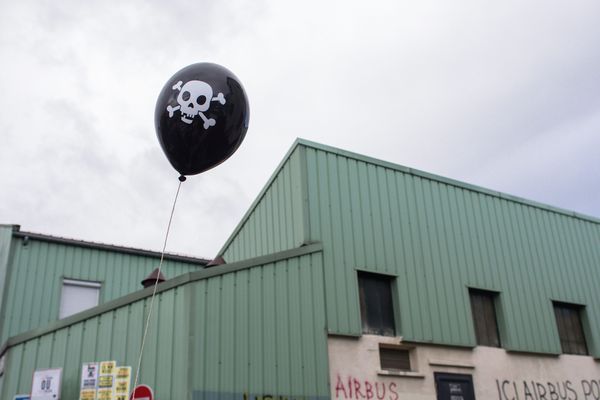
(454, 386)
(142, 392)
(46, 384)
(104, 381)
(89, 381)
(122, 382)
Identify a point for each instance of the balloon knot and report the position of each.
(182, 178)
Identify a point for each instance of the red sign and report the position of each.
(142, 392)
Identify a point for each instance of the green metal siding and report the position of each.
(261, 331)
(115, 335)
(275, 220)
(255, 328)
(439, 238)
(5, 244)
(35, 279)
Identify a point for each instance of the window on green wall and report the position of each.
(483, 308)
(570, 328)
(376, 304)
(77, 296)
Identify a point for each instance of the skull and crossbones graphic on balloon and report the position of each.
(194, 99)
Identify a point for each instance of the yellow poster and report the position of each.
(122, 387)
(107, 367)
(123, 372)
(122, 397)
(87, 394)
(105, 394)
(105, 381)
(122, 382)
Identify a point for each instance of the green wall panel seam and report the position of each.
(304, 195)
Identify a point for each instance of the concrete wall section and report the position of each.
(355, 372)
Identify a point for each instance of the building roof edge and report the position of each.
(442, 179)
(167, 285)
(109, 247)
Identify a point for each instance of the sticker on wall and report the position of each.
(22, 397)
(87, 394)
(108, 367)
(122, 383)
(106, 380)
(105, 394)
(46, 384)
(89, 376)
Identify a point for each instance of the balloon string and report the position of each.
(162, 256)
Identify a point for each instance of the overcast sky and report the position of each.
(504, 95)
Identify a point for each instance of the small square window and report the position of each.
(484, 317)
(570, 328)
(78, 296)
(394, 358)
(376, 304)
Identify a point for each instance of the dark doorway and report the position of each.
(454, 386)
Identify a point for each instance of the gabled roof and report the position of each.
(397, 167)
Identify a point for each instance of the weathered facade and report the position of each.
(351, 278)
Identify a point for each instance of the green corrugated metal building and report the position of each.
(33, 266)
(348, 278)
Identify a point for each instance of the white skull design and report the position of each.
(194, 98)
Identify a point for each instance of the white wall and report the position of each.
(497, 374)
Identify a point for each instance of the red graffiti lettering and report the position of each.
(377, 391)
(369, 389)
(552, 391)
(392, 388)
(350, 387)
(357, 388)
(339, 386)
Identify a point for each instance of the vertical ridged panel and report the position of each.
(439, 238)
(261, 331)
(37, 270)
(5, 245)
(275, 222)
(114, 335)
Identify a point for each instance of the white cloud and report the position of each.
(504, 95)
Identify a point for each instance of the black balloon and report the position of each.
(201, 117)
